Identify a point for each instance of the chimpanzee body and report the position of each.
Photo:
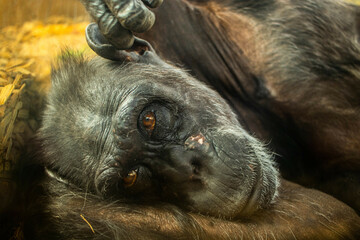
(288, 71)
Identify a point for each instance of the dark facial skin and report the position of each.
(148, 132)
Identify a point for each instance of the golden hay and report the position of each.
(26, 54)
(357, 2)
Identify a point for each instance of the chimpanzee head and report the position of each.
(144, 130)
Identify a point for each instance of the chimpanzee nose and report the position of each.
(140, 52)
(185, 163)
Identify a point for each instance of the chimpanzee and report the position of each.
(136, 148)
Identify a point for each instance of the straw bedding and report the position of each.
(26, 54)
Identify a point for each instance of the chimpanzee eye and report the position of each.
(156, 121)
(130, 179)
(149, 121)
(137, 181)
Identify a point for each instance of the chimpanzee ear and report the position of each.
(140, 52)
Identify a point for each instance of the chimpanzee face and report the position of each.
(146, 132)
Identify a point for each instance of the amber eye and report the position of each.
(130, 179)
(149, 121)
(156, 122)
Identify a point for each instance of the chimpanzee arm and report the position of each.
(299, 213)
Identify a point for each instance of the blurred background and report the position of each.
(32, 34)
(16, 12)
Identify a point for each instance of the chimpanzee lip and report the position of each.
(252, 203)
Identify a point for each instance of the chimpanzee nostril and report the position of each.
(196, 166)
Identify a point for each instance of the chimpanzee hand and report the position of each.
(117, 19)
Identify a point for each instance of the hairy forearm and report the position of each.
(298, 212)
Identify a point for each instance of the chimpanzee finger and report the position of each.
(153, 3)
(109, 26)
(132, 14)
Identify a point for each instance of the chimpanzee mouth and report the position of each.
(142, 184)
